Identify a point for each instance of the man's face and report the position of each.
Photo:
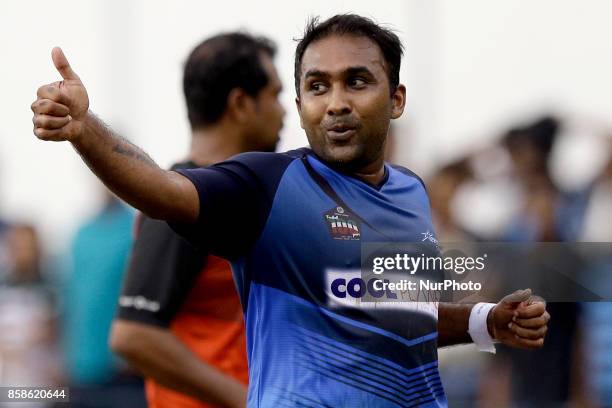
(267, 121)
(345, 103)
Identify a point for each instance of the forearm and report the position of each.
(453, 323)
(159, 355)
(131, 174)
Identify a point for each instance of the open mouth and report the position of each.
(340, 133)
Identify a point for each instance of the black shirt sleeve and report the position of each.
(162, 270)
(235, 200)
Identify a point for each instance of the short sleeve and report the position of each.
(235, 200)
(160, 274)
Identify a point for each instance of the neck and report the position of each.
(213, 144)
(373, 173)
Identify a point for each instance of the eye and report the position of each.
(357, 82)
(317, 87)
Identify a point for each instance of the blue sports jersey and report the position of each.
(290, 224)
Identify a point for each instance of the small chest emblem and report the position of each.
(342, 225)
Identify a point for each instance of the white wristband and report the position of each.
(477, 327)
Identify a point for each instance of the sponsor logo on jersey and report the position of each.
(430, 237)
(342, 225)
(350, 288)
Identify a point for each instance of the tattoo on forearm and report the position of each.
(128, 150)
(120, 144)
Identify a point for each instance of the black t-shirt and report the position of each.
(162, 270)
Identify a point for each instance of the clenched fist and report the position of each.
(61, 107)
(519, 320)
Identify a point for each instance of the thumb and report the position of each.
(62, 65)
(517, 297)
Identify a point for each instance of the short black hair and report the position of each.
(218, 65)
(352, 24)
(540, 134)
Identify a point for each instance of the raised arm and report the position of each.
(61, 112)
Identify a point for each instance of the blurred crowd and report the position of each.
(575, 366)
(55, 315)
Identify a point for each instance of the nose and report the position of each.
(338, 103)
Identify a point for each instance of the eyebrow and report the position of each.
(358, 70)
(347, 72)
(316, 73)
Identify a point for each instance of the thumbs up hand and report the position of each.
(519, 320)
(61, 107)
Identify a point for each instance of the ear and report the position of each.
(240, 105)
(399, 101)
(298, 105)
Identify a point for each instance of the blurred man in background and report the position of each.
(443, 186)
(543, 219)
(28, 314)
(4, 227)
(180, 320)
(98, 256)
(597, 326)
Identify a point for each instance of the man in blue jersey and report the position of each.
(291, 223)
